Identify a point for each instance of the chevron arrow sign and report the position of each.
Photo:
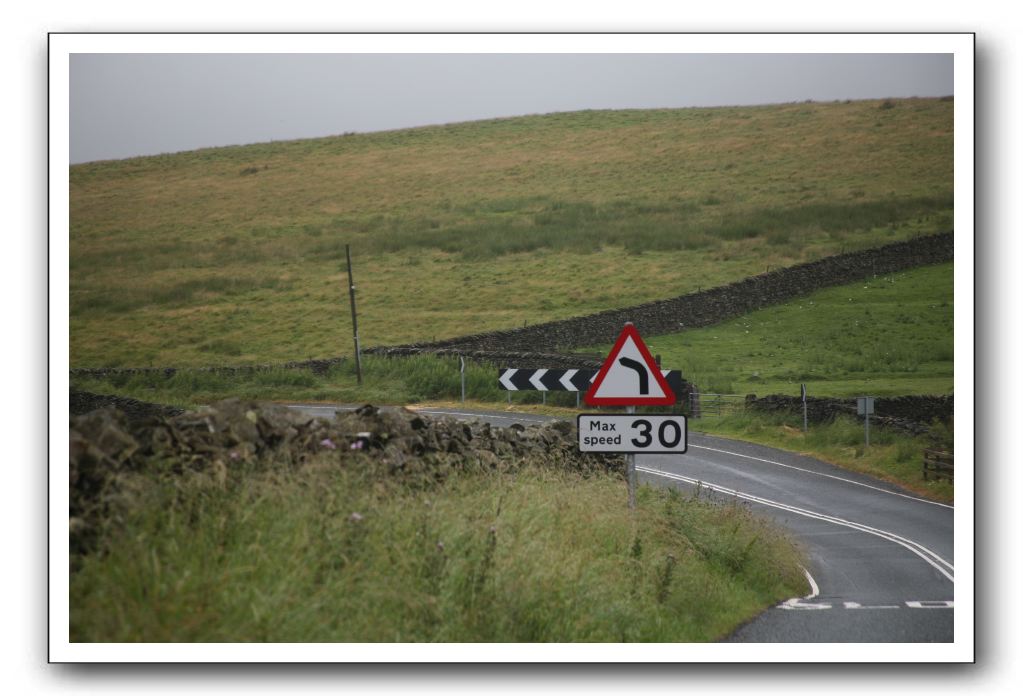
(514, 379)
(529, 379)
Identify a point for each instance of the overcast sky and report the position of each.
(123, 105)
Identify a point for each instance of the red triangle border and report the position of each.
(629, 332)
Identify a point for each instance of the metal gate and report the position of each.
(703, 404)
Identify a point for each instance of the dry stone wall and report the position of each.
(230, 440)
(909, 413)
(318, 367)
(703, 308)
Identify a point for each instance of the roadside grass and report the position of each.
(339, 552)
(236, 254)
(892, 456)
(405, 380)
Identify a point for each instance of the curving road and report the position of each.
(880, 558)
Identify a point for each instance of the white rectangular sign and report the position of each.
(632, 433)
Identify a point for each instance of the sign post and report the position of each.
(630, 468)
(802, 390)
(461, 369)
(630, 377)
(864, 407)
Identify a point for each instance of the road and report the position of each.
(879, 558)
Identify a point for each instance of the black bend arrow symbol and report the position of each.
(640, 368)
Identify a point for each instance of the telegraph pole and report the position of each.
(355, 324)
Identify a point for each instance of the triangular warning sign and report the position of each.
(629, 376)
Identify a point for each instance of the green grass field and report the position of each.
(884, 336)
(236, 255)
(345, 553)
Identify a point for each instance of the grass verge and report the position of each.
(333, 551)
(892, 455)
(405, 380)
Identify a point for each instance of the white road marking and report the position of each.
(814, 590)
(797, 603)
(857, 605)
(931, 558)
(800, 603)
(478, 415)
(830, 476)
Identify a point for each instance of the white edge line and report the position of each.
(831, 476)
(480, 416)
(814, 590)
(922, 551)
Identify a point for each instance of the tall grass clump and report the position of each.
(337, 551)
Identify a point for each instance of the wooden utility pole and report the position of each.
(355, 323)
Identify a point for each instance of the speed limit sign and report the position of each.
(631, 433)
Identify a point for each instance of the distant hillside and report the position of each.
(235, 254)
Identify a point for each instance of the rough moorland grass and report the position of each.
(235, 254)
(884, 336)
(337, 553)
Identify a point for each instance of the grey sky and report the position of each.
(123, 105)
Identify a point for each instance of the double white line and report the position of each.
(933, 559)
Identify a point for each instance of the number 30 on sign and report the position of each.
(628, 433)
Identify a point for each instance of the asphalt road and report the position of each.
(879, 558)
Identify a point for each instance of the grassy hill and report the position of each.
(888, 335)
(235, 255)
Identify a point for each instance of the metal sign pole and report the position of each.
(461, 361)
(630, 469)
(867, 426)
(803, 390)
